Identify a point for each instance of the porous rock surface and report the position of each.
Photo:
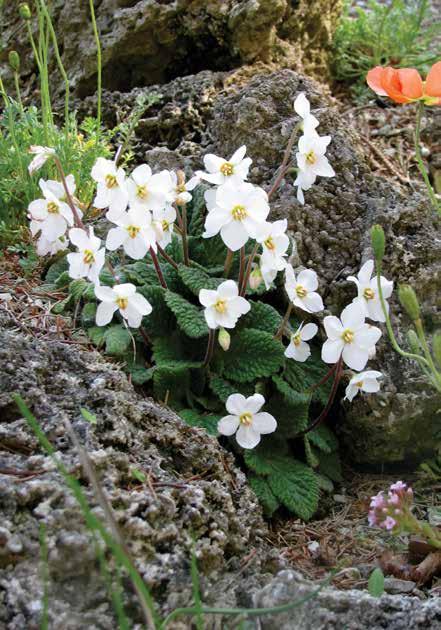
(153, 41)
(335, 610)
(218, 112)
(196, 497)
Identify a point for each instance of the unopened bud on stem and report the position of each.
(14, 60)
(409, 301)
(414, 344)
(255, 278)
(378, 242)
(224, 339)
(24, 11)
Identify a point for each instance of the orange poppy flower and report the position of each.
(406, 85)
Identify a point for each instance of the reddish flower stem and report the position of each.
(158, 268)
(69, 199)
(317, 422)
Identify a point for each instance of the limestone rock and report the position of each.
(195, 491)
(352, 610)
(151, 41)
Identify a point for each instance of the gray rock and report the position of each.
(152, 41)
(159, 523)
(395, 586)
(335, 610)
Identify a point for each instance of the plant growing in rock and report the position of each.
(428, 359)
(189, 291)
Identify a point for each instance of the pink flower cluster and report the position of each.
(389, 511)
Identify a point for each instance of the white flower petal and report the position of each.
(332, 350)
(254, 403)
(236, 404)
(247, 437)
(228, 425)
(264, 423)
(104, 313)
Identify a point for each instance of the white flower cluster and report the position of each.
(311, 159)
(143, 208)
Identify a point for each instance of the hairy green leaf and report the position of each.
(117, 339)
(330, 466)
(252, 354)
(88, 314)
(196, 279)
(302, 376)
(323, 439)
(262, 490)
(190, 318)
(97, 335)
(292, 482)
(262, 317)
(195, 419)
(77, 288)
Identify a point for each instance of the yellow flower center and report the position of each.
(369, 294)
(165, 225)
(88, 257)
(296, 339)
(269, 243)
(227, 169)
(301, 291)
(311, 157)
(359, 384)
(246, 418)
(239, 213)
(348, 335)
(133, 230)
(180, 188)
(141, 192)
(52, 207)
(122, 303)
(221, 306)
(111, 181)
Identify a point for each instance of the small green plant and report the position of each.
(428, 359)
(376, 583)
(397, 32)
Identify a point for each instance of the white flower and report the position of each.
(247, 419)
(302, 290)
(239, 210)
(148, 191)
(57, 188)
(220, 170)
(350, 338)
(298, 349)
(368, 292)
(45, 247)
(123, 297)
(50, 215)
(180, 189)
(89, 260)
(224, 306)
(135, 232)
(312, 161)
(365, 382)
(111, 189)
(304, 181)
(268, 274)
(303, 109)
(163, 222)
(275, 244)
(41, 155)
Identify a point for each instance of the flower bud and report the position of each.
(436, 345)
(255, 278)
(24, 11)
(409, 301)
(378, 242)
(224, 339)
(14, 60)
(412, 340)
